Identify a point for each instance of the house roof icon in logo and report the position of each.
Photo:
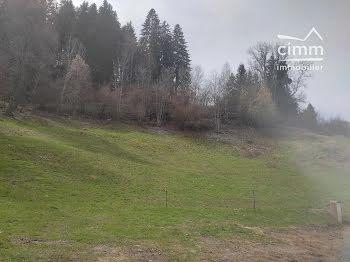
(312, 31)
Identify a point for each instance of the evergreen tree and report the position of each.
(106, 47)
(167, 50)
(128, 52)
(129, 35)
(271, 74)
(65, 22)
(231, 84)
(150, 46)
(241, 77)
(51, 11)
(278, 82)
(282, 94)
(81, 28)
(91, 44)
(231, 97)
(182, 60)
(309, 117)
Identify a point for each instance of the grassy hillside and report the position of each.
(68, 187)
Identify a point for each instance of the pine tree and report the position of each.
(271, 74)
(282, 95)
(182, 60)
(128, 52)
(278, 82)
(51, 11)
(91, 43)
(231, 84)
(129, 34)
(81, 27)
(150, 45)
(309, 117)
(167, 50)
(241, 77)
(107, 43)
(65, 22)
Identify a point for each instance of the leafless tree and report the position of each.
(78, 83)
(26, 48)
(73, 49)
(216, 85)
(123, 70)
(197, 79)
(162, 93)
(259, 55)
(299, 80)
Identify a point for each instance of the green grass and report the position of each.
(75, 185)
(325, 161)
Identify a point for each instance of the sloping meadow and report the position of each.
(68, 187)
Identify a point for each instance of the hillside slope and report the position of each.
(70, 189)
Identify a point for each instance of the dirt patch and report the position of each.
(345, 253)
(249, 141)
(23, 241)
(159, 130)
(311, 243)
(120, 254)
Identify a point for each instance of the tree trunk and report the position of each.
(62, 96)
(11, 107)
(217, 120)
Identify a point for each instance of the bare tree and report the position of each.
(259, 55)
(143, 80)
(162, 93)
(213, 84)
(286, 85)
(197, 79)
(78, 83)
(26, 48)
(216, 85)
(123, 70)
(299, 80)
(73, 49)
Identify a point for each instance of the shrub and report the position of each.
(309, 118)
(187, 115)
(257, 107)
(336, 126)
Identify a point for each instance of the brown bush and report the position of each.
(46, 95)
(127, 104)
(134, 106)
(187, 115)
(336, 126)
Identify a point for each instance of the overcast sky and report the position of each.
(220, 31)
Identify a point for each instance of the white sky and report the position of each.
(220, 31)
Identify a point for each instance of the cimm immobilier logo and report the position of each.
(303, 54)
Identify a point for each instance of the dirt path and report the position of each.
(295, 244)
(345, 253)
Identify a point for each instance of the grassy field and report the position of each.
(68, 187)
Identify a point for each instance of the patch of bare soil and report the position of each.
(23, 241)
(159, 130)
(122, 254)
(249, 141)
(311, 243)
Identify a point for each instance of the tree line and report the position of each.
(79, 60)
